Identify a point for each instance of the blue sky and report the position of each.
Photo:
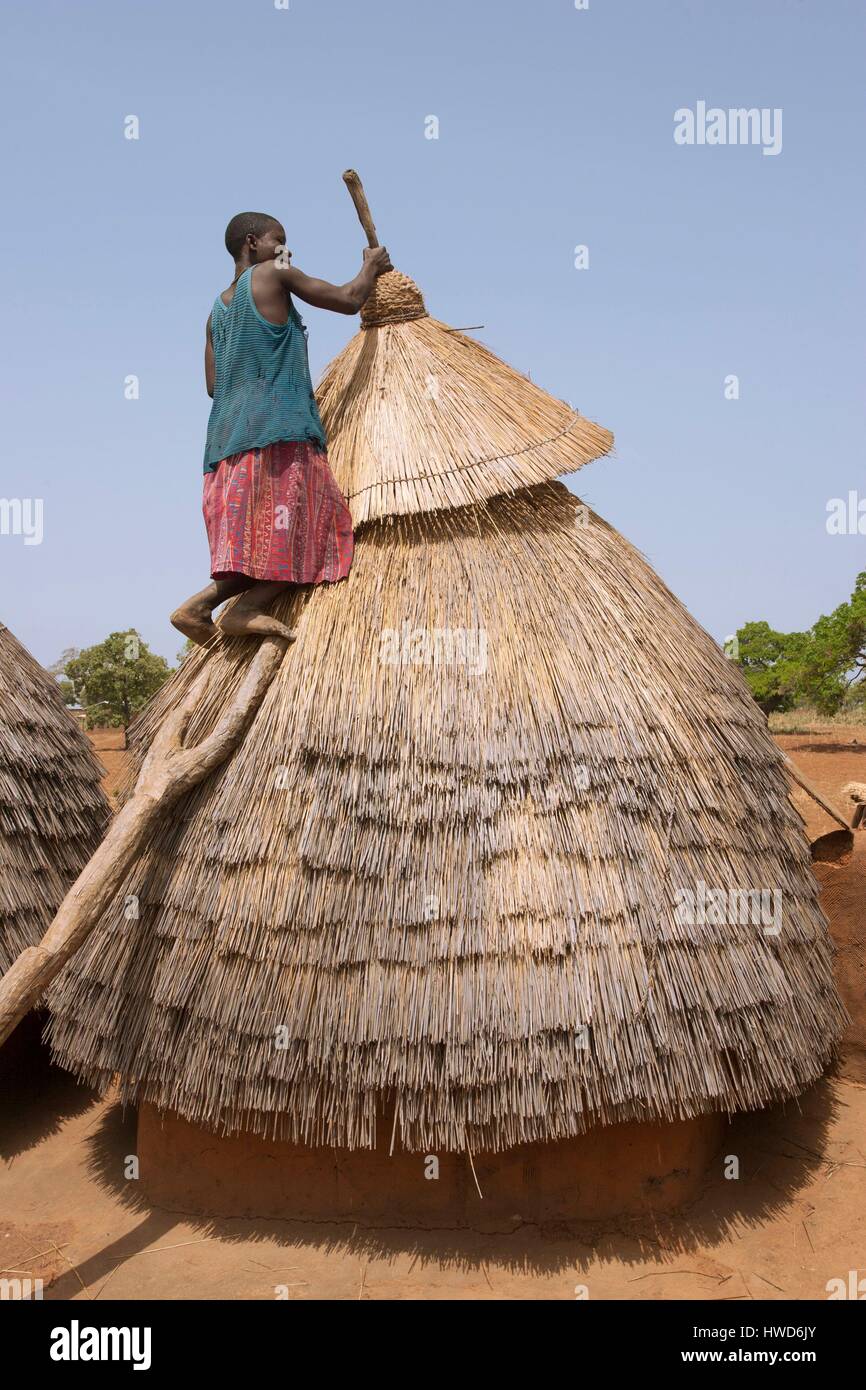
(555, 129)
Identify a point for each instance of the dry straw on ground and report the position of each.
(448, 885)
(52, 811)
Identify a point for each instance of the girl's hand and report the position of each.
(378, 258)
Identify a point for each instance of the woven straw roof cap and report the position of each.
(395, 299)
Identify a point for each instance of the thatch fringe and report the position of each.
(452, 879)
(52, 810)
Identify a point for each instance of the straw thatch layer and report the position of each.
(421, 418)
(443, 869)
(52, 810)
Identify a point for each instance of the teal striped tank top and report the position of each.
(262, 387)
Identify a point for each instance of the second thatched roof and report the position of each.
(52, 809)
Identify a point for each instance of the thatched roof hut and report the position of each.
(445, 870)
(52, 810)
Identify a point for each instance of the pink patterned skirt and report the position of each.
(277, 513)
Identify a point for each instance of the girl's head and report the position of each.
(254, 237)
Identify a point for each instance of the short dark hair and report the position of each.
(245, 224)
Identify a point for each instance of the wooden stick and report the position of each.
(168, 771)
(857, 792)
(359, 198)
(815, 794)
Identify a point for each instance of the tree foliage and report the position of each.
(114, 679)
(823, 667)
(769, 661)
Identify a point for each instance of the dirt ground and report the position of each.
(108, 744)
(830, 760)
(795, 1218)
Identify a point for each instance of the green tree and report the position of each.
(114, 679)
(58, 670)
(771, 664)
(824, 667)
(834, 658)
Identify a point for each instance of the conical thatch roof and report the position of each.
(420, 417)
(52, 810)
(443, 870)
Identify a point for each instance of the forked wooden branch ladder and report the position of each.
(169, 770)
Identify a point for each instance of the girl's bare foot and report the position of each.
(247, 618)
(193, 619)
(251, 622)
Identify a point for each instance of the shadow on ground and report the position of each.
(35, 1096)
(779, 1152)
